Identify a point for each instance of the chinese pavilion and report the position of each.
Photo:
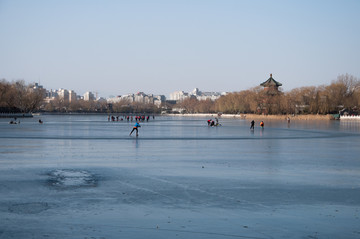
(269, 101)
(271, 85)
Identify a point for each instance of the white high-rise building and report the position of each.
(179, 95)
(196, 92)
(158, 99)
(139, 97)
(199, 95)
(63, 94)
(89, 96)
(72, 96)
(129, 98)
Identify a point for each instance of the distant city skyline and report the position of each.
(195, 91)
(71, 95)
(159, 47)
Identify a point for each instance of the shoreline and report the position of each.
(255, 116)
(205, 115)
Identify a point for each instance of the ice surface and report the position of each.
(84, 177)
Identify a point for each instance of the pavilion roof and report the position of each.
(271, 82)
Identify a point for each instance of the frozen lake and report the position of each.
(81, 176)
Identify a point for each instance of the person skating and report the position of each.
(262, 124)
(216, 121)
(252, 125)
(136, 126)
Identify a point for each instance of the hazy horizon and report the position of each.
(158, 47)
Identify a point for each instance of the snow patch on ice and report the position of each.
(67, 178)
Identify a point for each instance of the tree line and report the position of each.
(18, 97)
(83, 106)
(341, 94)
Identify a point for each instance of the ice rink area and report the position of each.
(85, 177)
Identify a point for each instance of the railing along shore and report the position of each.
(15, 115)
(350, 117)
(256, 116)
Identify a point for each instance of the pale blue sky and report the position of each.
(119, 47)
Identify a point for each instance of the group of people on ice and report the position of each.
(18, 122)
(14, 121)
(212, 123)
(252, 124)
(130, 118)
